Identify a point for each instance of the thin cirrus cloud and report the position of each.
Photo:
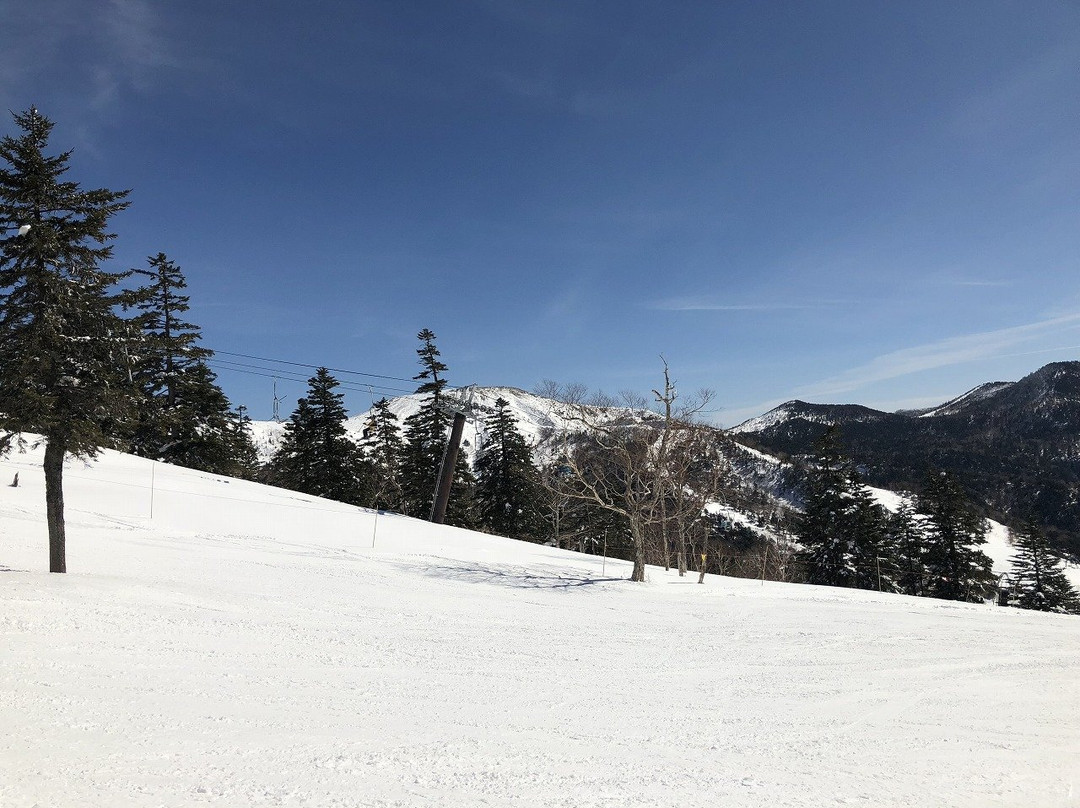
(975, 282)
(702, 304)
(1003, 109)
(133, 47)
(944, 353)
(118, 45)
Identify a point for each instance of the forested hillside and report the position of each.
(1013, 446)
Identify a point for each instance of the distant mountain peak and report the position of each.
(795, 409)
(975, 394)
(1015, 445)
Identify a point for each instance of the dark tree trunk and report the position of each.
(54, 504)
(664, 531)
(639, 553)
(682, 540)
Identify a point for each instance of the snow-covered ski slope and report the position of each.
(222, 643)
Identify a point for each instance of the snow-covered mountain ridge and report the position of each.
(537, 417)
(756, 474)
(1014, 446)
(810, 413)
(756, 477)
(975, 395)
(1037, 391)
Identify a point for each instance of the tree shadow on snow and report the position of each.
(513, 577)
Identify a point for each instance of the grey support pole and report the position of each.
(446, 473)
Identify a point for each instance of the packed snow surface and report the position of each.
(222, 643)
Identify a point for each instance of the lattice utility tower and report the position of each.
(277, 404)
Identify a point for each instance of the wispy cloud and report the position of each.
(133, 49)
(944, 353)
(101, 49)
(28, 37)
(564, 308)
(539, 86)
(975, 282)
(705, 304)
(1007, 107)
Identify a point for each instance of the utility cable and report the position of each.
(293, 376)
(309, 365)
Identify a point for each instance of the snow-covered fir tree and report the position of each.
(828, 548)
(908, 539)
(171, 345)
(425, 441)
(956, 569)
(244, 456)
(316, 455)
(185, 418)
(508, 488)
(385, 449)
(63, 349)
(1038, 579)
(842, 531)
(872, 552)
(204, 431)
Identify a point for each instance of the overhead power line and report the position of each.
(295, 376)
(313, 366)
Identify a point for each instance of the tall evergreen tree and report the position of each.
(204, 431)
(382, 440)
(872, 550)
(842, 529)
(1039, 580)
(316, 455)
(956, 568)
(461, 510)
(508, 488)
(171, 344)
(425, 441)
(908, 539)
(828, 549)
(186, 418)
(425, 431)
(244, 456)
(63, 369)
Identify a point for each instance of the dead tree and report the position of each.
(646, 467)
(612, 467)
(690, 465)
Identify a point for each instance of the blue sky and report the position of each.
(869, 202)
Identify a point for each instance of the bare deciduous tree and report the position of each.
(652, 469)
